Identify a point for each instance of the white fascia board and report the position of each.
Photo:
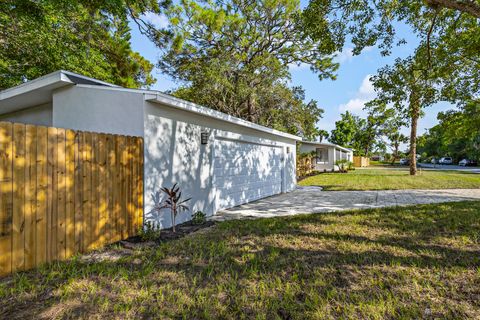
(326, 144)
(50, 79)
(192, 107)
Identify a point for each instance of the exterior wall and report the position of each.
(39, 115)
(174, 154)
(307, 148)
(98, 109)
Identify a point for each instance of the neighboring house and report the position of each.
(218, 160)
(326, 154)
(377, 157)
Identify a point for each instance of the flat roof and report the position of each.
(39, 91)
(326, 144)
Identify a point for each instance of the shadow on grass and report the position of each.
(278, 267)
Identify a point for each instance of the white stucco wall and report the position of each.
(174, 154)
(98, 109)
(334, 154)
(39, 115)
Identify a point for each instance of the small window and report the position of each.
(322, 155)
(288, 150)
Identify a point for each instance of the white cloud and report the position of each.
(345, 55)
(366, 89)
(158, 20)
(353, 105)
(365, 93)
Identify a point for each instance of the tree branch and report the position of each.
(469, 7)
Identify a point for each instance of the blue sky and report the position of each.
(351, 89)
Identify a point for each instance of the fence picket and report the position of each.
(64, 192)
(18, 216)
(6, 197)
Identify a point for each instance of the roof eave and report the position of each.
(192, 107)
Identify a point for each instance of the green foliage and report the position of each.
(343, 165)
(149, 232)
(234, 56)
(444, 65)
(174, 202)
(361, 135)
(91, 38)
(457, 134)
(199, 217)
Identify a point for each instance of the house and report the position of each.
(218, 160)
(326, 154)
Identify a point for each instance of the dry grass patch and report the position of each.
(410, 262)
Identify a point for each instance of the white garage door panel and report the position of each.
(245, 172)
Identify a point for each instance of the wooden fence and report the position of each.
(361, 161)
(64, 192)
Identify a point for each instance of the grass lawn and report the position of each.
(414, 262)
(391, 179)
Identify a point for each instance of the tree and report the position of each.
(409, 87)
(322, 134)
(92, 38)
(346, 130)
(456, 135)
(234, 56)
(448, 31)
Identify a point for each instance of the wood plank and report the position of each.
(19, 186)
(110, 182)
(95, 190)
(78, 189)
(30, 195)
(41, 198)
(117, 235)
(69, 193)
(87, 191)
(6, 197)
(128, 187)
(61, 197)
(51, 194)
(102, 194)
(123, 165)
(140, 193)
(134, 190)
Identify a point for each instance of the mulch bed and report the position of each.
(181, 230)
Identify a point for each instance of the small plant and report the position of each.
(199, 217)
(150, 231)
(174, 202)
(343, 165)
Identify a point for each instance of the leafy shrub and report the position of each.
(174, 202)
(150, 231)
(344, 165)
(199, 217)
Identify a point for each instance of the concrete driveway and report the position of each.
(313, 200)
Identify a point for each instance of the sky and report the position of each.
(349, 91)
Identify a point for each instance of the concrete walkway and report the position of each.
(313, 199)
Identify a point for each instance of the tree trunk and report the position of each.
(250, 110)
(395, 153)
(413, 137)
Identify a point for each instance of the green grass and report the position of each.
(393, 179)
(413, 262)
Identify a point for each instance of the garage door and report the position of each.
(245, 171)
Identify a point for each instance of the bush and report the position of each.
(199, 217)
(150, 231)
(344, 165)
